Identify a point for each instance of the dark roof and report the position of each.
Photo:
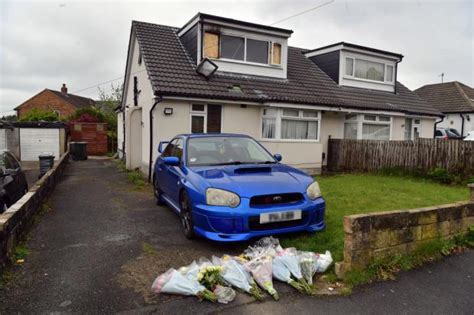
(349, 45)
(75, 100)
(172, 73)
(449, 97)
(39, 124)
(203, 16)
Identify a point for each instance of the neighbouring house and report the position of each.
(455, 100)
(217, 74)
(61, 102)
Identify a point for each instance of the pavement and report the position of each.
(103, 241)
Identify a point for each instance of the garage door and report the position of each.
(36, 141)
(3, 139)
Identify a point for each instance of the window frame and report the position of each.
(204, 114)
(415, 124)
(278, 123)
(270, 48)
(360, 120)
(354, 65)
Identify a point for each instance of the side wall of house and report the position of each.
(137, 130)
(455, 121)
(46, 101)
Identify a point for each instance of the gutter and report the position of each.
(436, 125)
(462, 125)
(158, 99)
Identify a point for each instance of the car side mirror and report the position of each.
(171, 160)
(162, 146)
(278, 157)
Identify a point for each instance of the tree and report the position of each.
(9, 118)
(36, 114)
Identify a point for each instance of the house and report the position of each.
(60, 102)
(216, 74)
(455, 100)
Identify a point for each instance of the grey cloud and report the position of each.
(44, 44)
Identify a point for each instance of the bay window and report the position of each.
(290, 124)
(367, 127)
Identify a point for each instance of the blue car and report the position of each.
(228, 187)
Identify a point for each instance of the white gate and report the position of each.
(3, 139)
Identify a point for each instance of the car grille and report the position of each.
(254, 223)
(275, 199)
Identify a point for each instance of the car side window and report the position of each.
(13, 162)
(169, 148)
(438, 133)
(178, 148)
(7, 162)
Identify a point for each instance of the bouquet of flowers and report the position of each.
(323, 261)
(261, 270)
(174, 282)
(267, 246)
(289, 257)
(236, 275)
(282, 273)
(308, 265)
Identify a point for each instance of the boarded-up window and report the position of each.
(276, 58)
(214, 114)
(211, 45)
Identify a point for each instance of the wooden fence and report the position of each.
(456, 156)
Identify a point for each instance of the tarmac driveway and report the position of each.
(103, 242)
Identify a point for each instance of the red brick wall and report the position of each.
(48, 101)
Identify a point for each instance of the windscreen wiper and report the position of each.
(228, 163)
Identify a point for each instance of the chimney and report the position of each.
(64, 89)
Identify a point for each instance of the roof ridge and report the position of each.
(70, 94)
(463, 93)
(154, 24)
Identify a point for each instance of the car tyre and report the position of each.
(157, 193)
(186, 216)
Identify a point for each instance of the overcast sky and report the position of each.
(83, 43)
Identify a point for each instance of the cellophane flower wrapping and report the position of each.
(282, 273)
(224, 294)
(261, 270)
(308, 265)
(174, 282)
(267, 246)
(323, 261)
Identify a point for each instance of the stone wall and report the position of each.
(16, 221)
(377, 235)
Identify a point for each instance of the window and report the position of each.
(211, 45)
(257, 51)
(206, 118)
(350, 66)
(135, 91)
(276, 54)
(240, 48)
(369, 70)
(369, 127)
(291, 124)
(412, 129)
(389, 74)
(140, 57)
(232, 47)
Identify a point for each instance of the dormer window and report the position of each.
(367, 70)
(224, 46)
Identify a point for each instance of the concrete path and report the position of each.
(99, 247)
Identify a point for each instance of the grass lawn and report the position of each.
(362, 193)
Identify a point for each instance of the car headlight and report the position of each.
(313, 191)
(219, 197)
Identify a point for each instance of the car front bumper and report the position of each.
(226, 224)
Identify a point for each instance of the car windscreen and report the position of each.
(226, 151)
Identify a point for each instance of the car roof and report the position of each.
(208, 135)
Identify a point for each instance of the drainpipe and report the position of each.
(436, 126)
(124, 139)
(462, 125)
(150, 162)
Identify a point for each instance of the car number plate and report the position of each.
(280, 216)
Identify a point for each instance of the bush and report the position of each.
(441, 175)
(36, 114)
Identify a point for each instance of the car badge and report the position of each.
(277, 198)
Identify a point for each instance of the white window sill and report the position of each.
(290, 140)
(241, 62)
(346, 77)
